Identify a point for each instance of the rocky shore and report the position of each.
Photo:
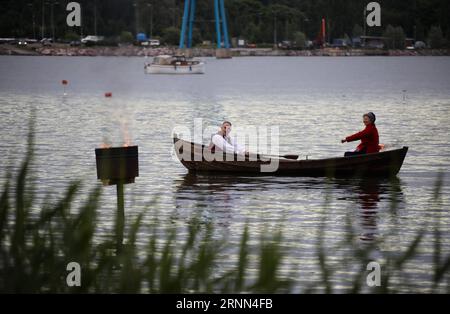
(136, 51)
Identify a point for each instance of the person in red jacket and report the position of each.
(369, 137)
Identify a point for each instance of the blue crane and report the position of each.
(220, 20)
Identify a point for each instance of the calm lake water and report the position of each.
(314, 101)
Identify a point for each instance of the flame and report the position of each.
(105, 146)
(125, 134)
(106, 143)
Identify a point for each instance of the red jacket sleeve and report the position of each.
(359, 135)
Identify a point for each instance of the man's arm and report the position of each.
(238, 148)
(220, 142)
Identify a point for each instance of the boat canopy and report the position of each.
(163, 60)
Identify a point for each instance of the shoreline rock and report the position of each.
(136, 51)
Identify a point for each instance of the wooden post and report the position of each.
(120, 218)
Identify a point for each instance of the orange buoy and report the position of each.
(108, 94)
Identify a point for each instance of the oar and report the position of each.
(293, 157)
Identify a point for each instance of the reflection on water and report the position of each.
(218, 194)
(369, 194)
(369, 197)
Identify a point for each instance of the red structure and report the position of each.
(321, 38)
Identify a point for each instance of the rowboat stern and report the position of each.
(398, 161)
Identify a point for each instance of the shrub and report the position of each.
(395, 37)
(436, 39)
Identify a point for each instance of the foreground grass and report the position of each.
(37, 241)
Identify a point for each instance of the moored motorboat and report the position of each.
(166, 64)
(198, 158)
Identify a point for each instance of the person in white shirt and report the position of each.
(222, 141)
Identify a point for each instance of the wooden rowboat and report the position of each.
(198, 158)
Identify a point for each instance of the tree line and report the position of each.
(258, 21)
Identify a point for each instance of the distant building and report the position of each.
(420, 45)
(141, 37)
(91, 39)
(341, 43)
(377, 42)
(410, 43)
(356, 42)
(372, 42)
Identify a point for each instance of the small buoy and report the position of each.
(108, 94)
(64, 83)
